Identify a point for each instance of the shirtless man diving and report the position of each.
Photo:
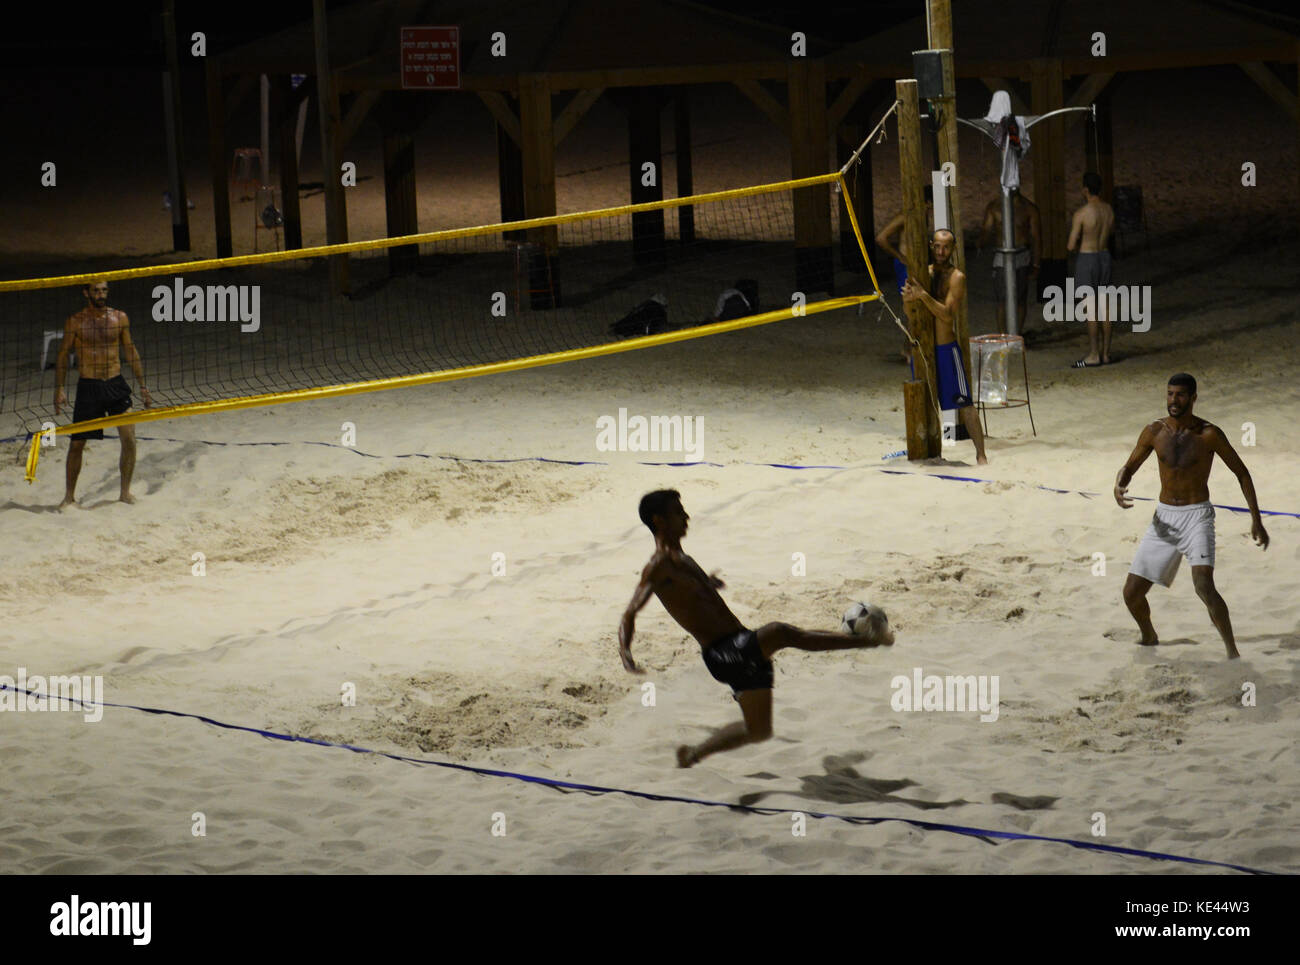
(1183, 524)
(947, 288)
(99, 335)
(1090, 234)
(734, 655)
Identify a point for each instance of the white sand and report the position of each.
(324, 567)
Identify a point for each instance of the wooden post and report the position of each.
(510, 178)
(685, 176)
(537, 137)
(849, 137)
(399, 196)
(1100, 134)
(810, 156)
(1048, 153)
(941, 39)
(923, 439)
(217, 160)
(336, 223)
(175, 133)
(645, 147)
(285, 118)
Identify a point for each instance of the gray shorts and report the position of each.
(1092, 268)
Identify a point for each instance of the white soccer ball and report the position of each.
(865, 620)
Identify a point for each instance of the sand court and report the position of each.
(326, 569)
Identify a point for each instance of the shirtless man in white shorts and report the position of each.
(1183, 524)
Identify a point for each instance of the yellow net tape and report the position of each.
(297, 254)
(446, 375)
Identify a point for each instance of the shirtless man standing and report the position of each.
(1029, 233)
(1183, 524)
(947, 287)
(98, 334)
(1090, 234)
(733, 654)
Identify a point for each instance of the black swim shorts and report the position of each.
(738, 661)
(97, 398)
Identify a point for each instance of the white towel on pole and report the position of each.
(1000, 115)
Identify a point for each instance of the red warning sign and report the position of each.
(430, 58)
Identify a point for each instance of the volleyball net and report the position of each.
(316, 323)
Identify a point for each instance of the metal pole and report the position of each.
(1008, 250)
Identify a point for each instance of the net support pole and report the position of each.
(1009, 294)
(923, 439)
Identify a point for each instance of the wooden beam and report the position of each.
(768, 104)
(1048, 154)
(174, 116)
(685, 175)
(242, 87)
(1087, 91)
(285, 125)
(510, 181)
(1269, 83)
(336, 218)
(574, 110)
(810, 156)
(356, 115)
(847, 99)
(1104, 160)
(537, 135)
(400, 209)
(1086, 94)
(923, 431)
(501, 110)
(644, 142)
(217, 159)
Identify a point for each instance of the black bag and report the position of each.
(648, 318)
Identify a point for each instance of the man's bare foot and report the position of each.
(68, 501)
(982, 460)
(685, 756)
(127, 498)
(1233, 654)
(1149, 643)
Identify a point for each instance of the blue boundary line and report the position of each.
(675, 465)
(984, 834)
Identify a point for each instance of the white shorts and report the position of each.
(1175, 532)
